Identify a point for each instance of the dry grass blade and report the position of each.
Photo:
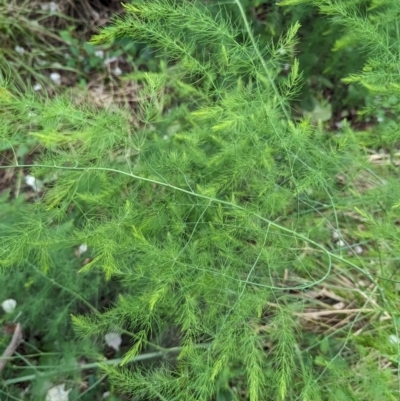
(9, 351)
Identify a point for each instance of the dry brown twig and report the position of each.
(15, 341)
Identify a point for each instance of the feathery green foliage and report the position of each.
(202, 214)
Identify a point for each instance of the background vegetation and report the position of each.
(201, 200)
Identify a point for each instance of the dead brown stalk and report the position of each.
(15, 341)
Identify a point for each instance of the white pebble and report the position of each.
(37, 87)
(99, 53)
(57, 393)
(358, 250)
(117, 71)
(339, 305)
(34, 183)
(9, 305)
(113, 340)
(19, 49)
(340, 243)
(82, 249)
(52, 7)
(110, 60)
(393, 339)
(56, 78)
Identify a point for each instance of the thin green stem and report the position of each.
(259, 55)
(222, 202)
(75, 294)
(329, 254)
(95, 365)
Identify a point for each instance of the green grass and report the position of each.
(242, 252)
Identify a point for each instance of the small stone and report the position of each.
(56, 78)
(117, 71)
(19, 49)
(57, 393)
(52, 7)
(9, 305)
(99, 53)
(110, 60)
(113, 340)
(340, 243)
(34, 183)
(82, 249)
(339, 305)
